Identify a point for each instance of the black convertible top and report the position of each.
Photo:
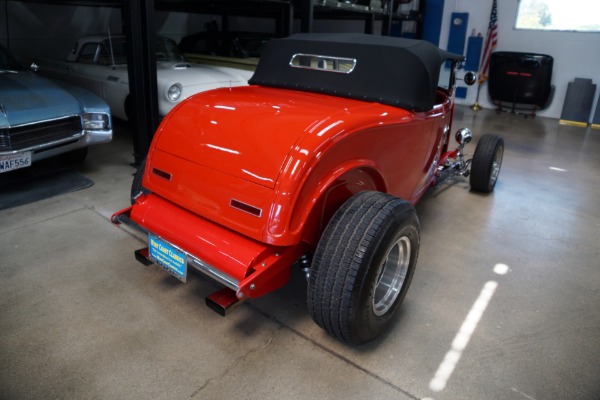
(389, 70)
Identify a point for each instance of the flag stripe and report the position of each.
(490, 44)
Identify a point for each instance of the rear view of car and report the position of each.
(317, 164)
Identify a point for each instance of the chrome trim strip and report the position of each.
(213, 273)
(47, 120)
(39, 147)
(124, 219)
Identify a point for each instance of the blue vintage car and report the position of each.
(40, 118)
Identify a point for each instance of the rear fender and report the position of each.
(317, 206)
(315, 182)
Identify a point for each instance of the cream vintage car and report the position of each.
(99, 64)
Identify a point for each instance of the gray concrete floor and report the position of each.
(504, 303)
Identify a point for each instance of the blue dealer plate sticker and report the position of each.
(168, 257)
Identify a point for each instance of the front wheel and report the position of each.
(486, 163)
(363, 266)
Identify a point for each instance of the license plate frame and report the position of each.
(168, 256)
(11, 162)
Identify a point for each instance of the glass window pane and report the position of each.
(559, 15)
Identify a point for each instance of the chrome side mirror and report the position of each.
(463, 136)
(470, 78)
(34, 67)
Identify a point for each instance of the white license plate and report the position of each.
(11, 162)
(169, 257)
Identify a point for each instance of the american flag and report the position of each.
(490, 44)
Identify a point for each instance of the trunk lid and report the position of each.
(246, 132)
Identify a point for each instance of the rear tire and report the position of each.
(363, 266)
(486, 163)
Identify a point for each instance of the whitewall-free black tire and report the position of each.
(363, 266)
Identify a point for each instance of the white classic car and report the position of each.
(99, 63)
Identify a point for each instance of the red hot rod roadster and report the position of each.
(316, 164)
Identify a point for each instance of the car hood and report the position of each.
(188, 74)
(248, 132)
(26, 97)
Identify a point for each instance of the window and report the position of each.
(323, 63)
(114, 51)
(88, 54)
(559, 15)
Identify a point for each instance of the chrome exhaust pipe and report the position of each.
(222, 301)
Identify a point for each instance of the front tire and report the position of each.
(363, 266)
(486, 163)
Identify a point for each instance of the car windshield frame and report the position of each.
(113, 51)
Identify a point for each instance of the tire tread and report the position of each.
(336, 274)
(481, 166)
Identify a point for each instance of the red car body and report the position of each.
(244, 180)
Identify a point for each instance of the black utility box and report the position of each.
(521, 81)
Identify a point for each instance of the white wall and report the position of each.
(576, 55)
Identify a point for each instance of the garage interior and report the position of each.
(503, 304)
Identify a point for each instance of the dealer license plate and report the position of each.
(15, 161)
(169, 257)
